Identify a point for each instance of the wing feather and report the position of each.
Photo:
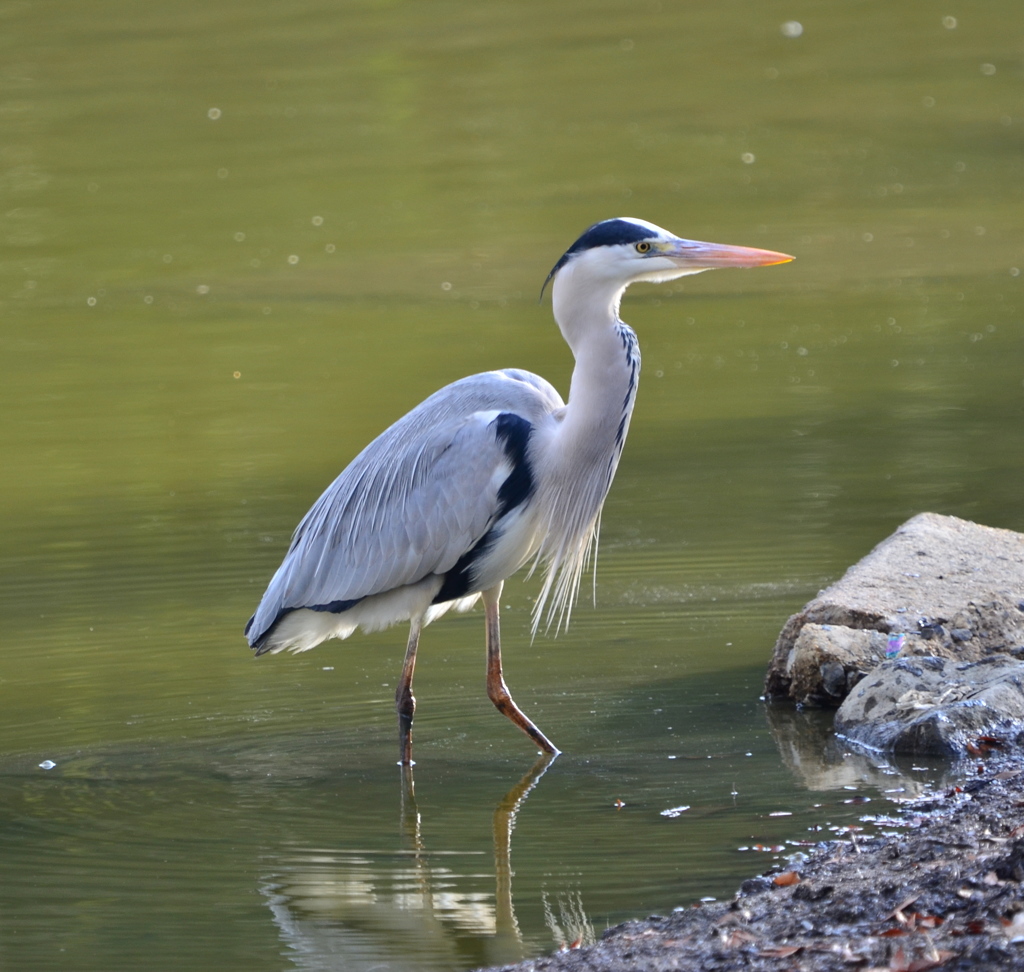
(413, 502)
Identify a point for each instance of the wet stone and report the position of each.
(933, 706)
(1011, 867)
(755, 885)
(810, 892)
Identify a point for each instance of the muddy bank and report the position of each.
(921, 646)
(942, 887)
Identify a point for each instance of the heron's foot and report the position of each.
(506, 705)
(544, 744)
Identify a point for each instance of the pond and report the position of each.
(236, 242)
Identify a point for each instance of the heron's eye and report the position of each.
(643, 247)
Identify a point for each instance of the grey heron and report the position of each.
(484, 476)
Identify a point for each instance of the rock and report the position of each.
(827, 661)
(927, 705)
(939, 586)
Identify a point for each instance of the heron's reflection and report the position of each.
(342, 909)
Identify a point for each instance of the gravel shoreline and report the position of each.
(944, 889)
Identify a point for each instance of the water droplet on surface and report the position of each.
(949, 23)
(213, 114)
(748, 157)
(47, 764)
(792, 28)
(293, 259)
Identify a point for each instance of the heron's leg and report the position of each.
(496, 689)
(405, 702)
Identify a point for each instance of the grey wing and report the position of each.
(418, 498)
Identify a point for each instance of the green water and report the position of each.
(238, 240)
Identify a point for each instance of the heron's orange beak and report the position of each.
(694, 255)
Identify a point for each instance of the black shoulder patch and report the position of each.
(513, 434)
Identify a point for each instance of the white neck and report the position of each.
(581, 452)
(604, 379)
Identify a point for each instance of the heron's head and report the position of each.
(624, 250)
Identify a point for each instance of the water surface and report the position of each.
(237, 243)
